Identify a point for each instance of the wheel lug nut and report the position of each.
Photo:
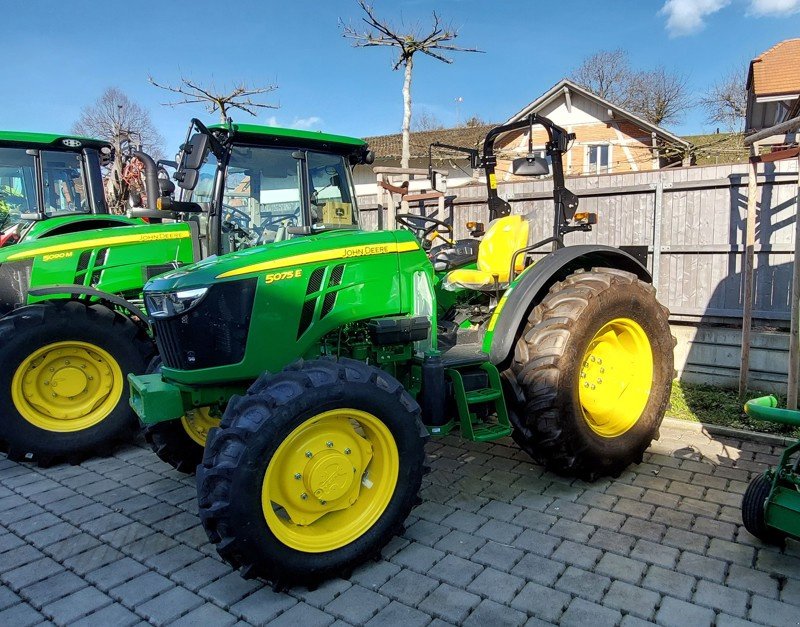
(599, 380)
(309, 454)
(347, 451)
(602, 370)
(323, 502)
(586, 385)
(599, 361)
(304, 496)
(54, 394)
(592, 385)
(47, 383)
(592, 358)
(66, 362)
(329, 444)
(298, 476)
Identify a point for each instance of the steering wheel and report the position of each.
(422, 232)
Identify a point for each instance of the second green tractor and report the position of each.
(303, 376)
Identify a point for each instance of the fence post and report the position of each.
(794, 328)
(657, 214)
(748, 270)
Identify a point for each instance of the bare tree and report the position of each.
(127, 126)
(434, 43)
(474, 120)
(427, 122)
(238, 96)
(659, 96)
(726, 101)
(606, 73)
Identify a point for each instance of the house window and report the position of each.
(598, 159)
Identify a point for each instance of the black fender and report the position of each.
(537, 280)
(81, 290)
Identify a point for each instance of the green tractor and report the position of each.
(319, 365)
(71, 279)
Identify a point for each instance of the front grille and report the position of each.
(213, 333)
(15, 279)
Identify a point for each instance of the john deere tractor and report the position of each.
(327, 358)
(71, 324)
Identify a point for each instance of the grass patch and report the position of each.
(719, 406)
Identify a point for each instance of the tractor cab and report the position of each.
(47, 180)
(251, 185)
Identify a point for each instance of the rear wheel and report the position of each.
(312, 472)
(180, 443)
(595, 366)
(63, 368)
(754, 504)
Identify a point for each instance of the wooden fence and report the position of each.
(690, 224)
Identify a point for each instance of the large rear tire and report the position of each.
(753, 511)
(595, 366)
(63, 379)
(312, 472)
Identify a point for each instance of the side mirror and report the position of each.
(530, 166)
(192, 155)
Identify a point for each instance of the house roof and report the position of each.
(777, 71)
(391, 146)
(559, 89)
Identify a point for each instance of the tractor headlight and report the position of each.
(167, 304)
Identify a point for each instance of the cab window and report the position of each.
(64, 183)
(17, 185)
(332, 202)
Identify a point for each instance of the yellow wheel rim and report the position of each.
(615, 378)
(330, 480)
(67, 386)
(197, 423)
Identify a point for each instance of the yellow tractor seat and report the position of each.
(503, 238)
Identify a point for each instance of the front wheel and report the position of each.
(595, 366)
(63, 368)
(312, 472)
(754, 503)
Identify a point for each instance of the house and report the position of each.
(773, 86)
(609, 139)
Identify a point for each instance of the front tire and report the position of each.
(595, 366)
(63, 376)
(753, 511)
(312, 472)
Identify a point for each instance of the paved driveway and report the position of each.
(496, 540)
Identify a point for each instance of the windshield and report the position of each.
(64, 183)
(332, 201)
(17, 185)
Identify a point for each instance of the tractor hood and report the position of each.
(61, 225)
(284, 256)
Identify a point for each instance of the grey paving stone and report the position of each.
(602, 518)
(654, 553)
(577, 554)
(721, 598)
(92, 559)
(8, 598)
(173, 559)
(31, 573)
(564, 508)
(10, 541)
(115, 614)
(301, 614)
(169, 605)
(714, 528)
(499, 511)
(497, 585)
(677, 613)
(620, 568)
(632, 599)
(20, 615)
(76, 605)
(464, 521)
(141, 588)
(356, 605)
(450, 604)
(29, 519)
(492, 613)
(460, 543)
(115, 573)
(323, 594)
(263, 605)
(771, 612)
(373, 574)
(750, 580)
(499, 531)
(207, 614)
(668, 581)
(685, 540)
(500, 556)
(53, 588)
(701, 566)
(199, 574)
(612, 541)
(418, 557)
(149, 546)
(409, 587)
(541, 602)
(534, 520)
(581, 612)
(583, 583)
(571, 530)
(123, 536)
(229, 589)
(773, 562)
(426, 532)
(731, 552)
(398, 614)
(455, 570)
(537, 542)
(86, 513)
(538, 569)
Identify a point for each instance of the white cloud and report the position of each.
(272, 121)
(307, 123)
(685, 17)
(774, 7)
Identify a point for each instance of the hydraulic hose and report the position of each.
(766, 408)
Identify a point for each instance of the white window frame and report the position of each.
(598, 169)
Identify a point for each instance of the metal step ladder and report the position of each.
(471, 427)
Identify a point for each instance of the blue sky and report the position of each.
(67, 53)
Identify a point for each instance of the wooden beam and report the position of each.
(794, 325)
(748, 269)
(779, 155)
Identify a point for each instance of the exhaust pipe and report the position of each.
(151, 188)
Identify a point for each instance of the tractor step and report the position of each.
(471, 427)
